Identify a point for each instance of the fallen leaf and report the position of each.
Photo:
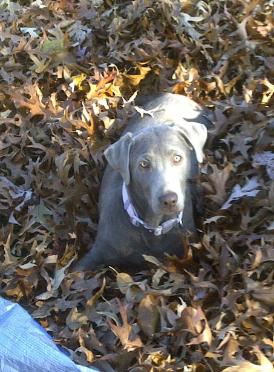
(148, 315)
(250, 189)
(194, 321)
(124, 331)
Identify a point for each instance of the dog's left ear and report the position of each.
(117, 156)
(196, 134)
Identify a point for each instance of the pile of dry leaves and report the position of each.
(69, 71)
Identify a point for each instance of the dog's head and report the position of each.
(157, 162)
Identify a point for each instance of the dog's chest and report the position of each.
(171, 242)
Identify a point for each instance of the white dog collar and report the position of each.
(136, 221)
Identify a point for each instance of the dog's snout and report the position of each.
(169, 200)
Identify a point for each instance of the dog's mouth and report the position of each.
(168, 211)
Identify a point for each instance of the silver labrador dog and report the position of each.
(146, 201)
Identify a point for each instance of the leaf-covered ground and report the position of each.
(69, 71)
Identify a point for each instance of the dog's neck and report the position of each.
(144, 211)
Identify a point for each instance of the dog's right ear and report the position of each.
(117, 156)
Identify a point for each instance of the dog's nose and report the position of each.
(169, 200)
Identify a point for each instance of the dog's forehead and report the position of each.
(158, 139)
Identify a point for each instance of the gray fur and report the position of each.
(177, 126)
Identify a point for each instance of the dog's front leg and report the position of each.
(93, 259)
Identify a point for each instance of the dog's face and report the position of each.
(157, 163)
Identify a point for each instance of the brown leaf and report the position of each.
(124, 281)
(148, 315)
(218, 180)
(246, 366)
(136, 79)
(76, 319)
(33, 103)
(264, 294)
(124, 331)
(195, 322)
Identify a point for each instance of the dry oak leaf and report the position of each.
(123, 332)
(195, 322)
(33, 103)
(137, 78)
(261, 293)
(250, 189)
(148, 315)
(246, 366)
(218, 180)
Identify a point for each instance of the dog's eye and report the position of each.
(144, 164)
(177, 158)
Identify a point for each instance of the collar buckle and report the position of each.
(134, 222)
(158, 230)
